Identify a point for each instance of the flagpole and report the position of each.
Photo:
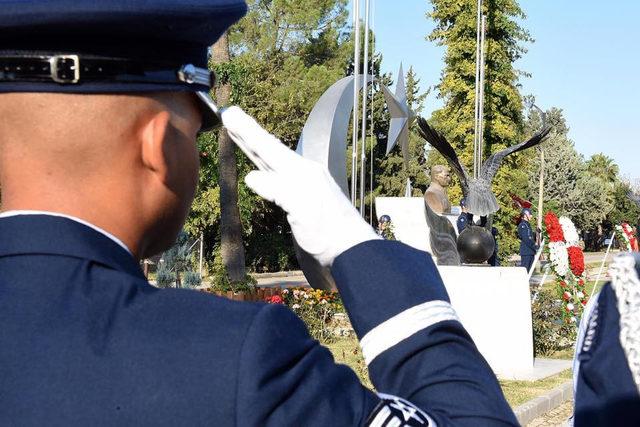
(477, 98)
(363, 157)
(356, 72)
(373, 54)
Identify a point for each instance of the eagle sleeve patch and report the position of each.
(393, 411)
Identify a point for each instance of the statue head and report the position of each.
(441, 175)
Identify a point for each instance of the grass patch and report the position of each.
(347, 351)
(551, 286)
(519, 392)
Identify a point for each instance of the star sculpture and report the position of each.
(401, 118)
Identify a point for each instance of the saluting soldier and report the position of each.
(528, 247)
(100, 107)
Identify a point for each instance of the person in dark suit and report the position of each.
(465, 218)
(528, 247)
(494, 261)
(101, 104)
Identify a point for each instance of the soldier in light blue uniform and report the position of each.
(528, 247)
(100, 104)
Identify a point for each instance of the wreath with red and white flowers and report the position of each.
(627, 237)
(567, 262)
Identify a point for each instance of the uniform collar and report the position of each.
(54, 234)
(8, 214)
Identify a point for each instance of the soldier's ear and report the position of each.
(154, 145)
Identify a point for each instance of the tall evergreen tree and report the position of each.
(456, 30)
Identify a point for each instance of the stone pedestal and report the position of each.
(494, 305)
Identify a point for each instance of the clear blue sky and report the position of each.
(585, 60)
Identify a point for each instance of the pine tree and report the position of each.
(456, 30)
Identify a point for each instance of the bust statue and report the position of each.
(436, 194)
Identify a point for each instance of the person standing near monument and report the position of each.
(528, 247)
(385, 228)
(494, 261)
(436, 195)
(465, 218)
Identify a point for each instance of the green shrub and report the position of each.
(191, 279)
(164, 276)
(550, 332)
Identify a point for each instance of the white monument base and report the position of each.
(494, 305)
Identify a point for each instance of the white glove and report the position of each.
(323, 221)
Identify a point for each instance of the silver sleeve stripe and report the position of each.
(403, 325)
(381, 419)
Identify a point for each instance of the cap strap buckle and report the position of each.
(65, 68)
(191, 74)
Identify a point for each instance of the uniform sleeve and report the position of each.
(411, 338)
(424, 365)
(287, 379)
(525, 235)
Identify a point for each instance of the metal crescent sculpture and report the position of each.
(324, 136)
(324, 140)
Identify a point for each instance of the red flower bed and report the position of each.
(576, 260)
(553, 227)
(276, 299)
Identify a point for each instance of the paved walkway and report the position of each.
(288, 279)
(555, 417)
(296, 278)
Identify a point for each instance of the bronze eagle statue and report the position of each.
(479, 197)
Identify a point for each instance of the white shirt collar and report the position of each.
(8, 214)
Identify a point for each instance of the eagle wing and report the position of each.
(438, 142)
(492, 164)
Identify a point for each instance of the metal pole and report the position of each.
(482, 75)
(201, 254)
(363, 157)
(373, 55)
(540, 191)
(544, 278)
(535, 260)
(613, 236)
(477, 98)
(356, 72)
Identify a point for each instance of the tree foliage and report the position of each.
(570, 189)
(503, 114)
(284, 56)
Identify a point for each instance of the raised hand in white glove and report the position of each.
(323, 221)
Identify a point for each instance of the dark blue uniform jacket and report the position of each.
(464, 219)
(527, 240)
(606, 394)
(85, 340)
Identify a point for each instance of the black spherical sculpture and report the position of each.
(475, 245)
